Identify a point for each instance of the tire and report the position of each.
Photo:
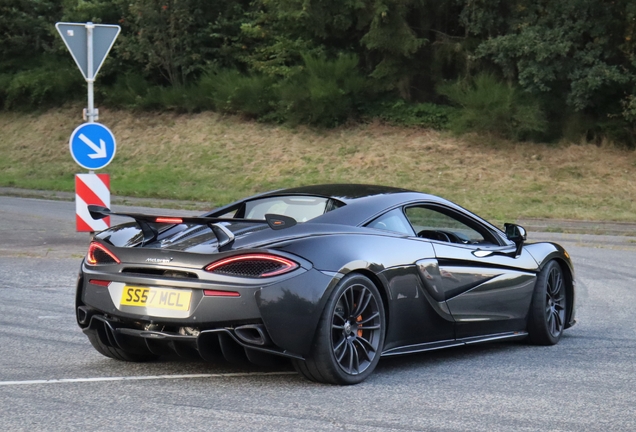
(350, 335)
(117, 353)
(546, 319)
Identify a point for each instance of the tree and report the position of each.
(177, 38)
(26, 31)
(579, 50)
(391, 37)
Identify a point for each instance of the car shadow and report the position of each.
(448, 356)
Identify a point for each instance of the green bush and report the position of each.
(176, 98)
(400, 112)
(5, 82)
(48, 84)
(230, 91)
(325, 93)
(488, 105)
(129, 91)
(134, 92)
(614, 129)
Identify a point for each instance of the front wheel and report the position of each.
(350, 334)
(548, 309)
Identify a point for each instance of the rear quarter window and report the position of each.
(393, 220)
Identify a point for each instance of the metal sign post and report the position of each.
(92, 144)
(90, 79)
(89, 44)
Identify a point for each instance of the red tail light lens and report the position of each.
(98, 254)
(253, 266)
(217, 293)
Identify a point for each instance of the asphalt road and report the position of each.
(52, 379)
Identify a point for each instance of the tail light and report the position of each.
(252, 266)
(98, 254)
(217, 293)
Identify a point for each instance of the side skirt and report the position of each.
(430, 346)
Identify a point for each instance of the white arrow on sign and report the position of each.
(100, 151)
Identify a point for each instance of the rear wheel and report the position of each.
(350, 335)
(547, 312)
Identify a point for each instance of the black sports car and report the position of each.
(331, 277)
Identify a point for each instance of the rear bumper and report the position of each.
(202, 310)
(285, 311)
(233, 344)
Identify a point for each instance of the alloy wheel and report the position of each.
(356, 329)
(555, 302)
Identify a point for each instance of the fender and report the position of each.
(543, 253)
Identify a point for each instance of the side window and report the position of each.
(435, 225)
(392, 221)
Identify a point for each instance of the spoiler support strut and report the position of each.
(223, 235)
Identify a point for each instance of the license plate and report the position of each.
(160, 298)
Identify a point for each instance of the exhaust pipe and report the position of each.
(254, 334)
(83, 316)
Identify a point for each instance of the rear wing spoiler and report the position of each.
(223, 235)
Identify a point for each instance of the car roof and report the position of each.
(363, 201)
(341, 192)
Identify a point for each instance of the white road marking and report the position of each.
(141, 378)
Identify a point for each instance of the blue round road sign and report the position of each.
(92, 145)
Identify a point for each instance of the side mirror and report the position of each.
(517, 235)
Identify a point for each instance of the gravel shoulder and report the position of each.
(589, 231)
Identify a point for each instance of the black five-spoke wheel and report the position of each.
(350, 335)
(549, 305)
(356, 329)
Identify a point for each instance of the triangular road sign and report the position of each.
(75, 38)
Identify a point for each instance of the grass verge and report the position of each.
(213, 158)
